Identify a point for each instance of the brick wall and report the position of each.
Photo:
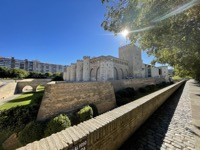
(109, 130)
(66, 97)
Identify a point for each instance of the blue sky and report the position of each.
(56, 31)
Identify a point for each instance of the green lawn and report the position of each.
(24, 99)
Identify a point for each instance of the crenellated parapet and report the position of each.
(108, 58)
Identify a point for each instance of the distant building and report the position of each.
(102, 68)
(30, 66)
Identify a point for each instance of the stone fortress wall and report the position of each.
(65, 97)
(104, 68)
(109, 130)
(96, 69)
(135, 83)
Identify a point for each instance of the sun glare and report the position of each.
(124, 33)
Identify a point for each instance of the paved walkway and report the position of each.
(170, 127)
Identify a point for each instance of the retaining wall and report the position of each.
(7, 90)
(66, 97)
(135, 83)
(109, 130)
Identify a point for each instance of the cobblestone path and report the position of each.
(168, 128)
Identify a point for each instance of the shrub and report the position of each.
(131, 92)
(16, 118)
(95, 110)
(37, 99)
(122, 101)
(125, 96)
(150, 88)
(142, 90)
(127, 92)
(57, 78)
(85, 113)
(33, 131)
(57, 124)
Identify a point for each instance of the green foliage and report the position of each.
(20, 73)
(57, 124)
(176, 78)
(33, 131)
(13, 73)
(85, 113)
(58, 76)
(128, 95)
(125, 96)
(48, 75)
(150, 88)
(142, 90)
(16, 118)
(172, 39)
(94, 109)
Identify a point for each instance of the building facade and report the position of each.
(31, 66)
(102, 68)
(132, 54)
(97, 69)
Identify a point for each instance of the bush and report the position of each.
(161, 85)
(150, 88)
(57, 78)
(33, 131)
(16, 118)
(95, 110)
(142, 90)
(37, 99)
(85, 113)
(125, 96)
(122, 101)
(57, 124)
(127, 92)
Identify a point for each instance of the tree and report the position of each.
(13, 73)
(48, 74)
(168, 30)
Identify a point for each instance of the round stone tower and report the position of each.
(73, 72)
(79, 70)
(86, 68)
(68, 73)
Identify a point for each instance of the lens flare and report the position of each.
(125, 33)
(179, 10)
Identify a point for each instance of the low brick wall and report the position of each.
(109, 130)
(66, 97)
(7, 90)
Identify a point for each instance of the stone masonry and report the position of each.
(109, 130)
(104, 68)
(66, 97)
